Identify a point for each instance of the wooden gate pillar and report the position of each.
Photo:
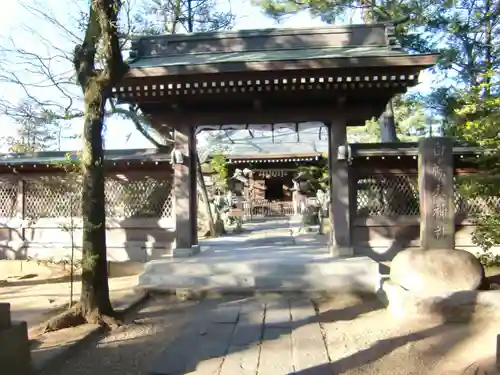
(340, 243)
(184, 191)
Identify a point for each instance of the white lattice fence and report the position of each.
(51, 196)
(47, 197)
(148, 198)
(8, 198)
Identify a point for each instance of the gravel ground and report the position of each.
(363, 338)
(131, 349)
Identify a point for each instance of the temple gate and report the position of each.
(339, 76)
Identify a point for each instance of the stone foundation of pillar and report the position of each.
(179, 252)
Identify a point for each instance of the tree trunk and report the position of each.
(95, 305)
(94, 299)
(204, 196)
(388, 125)
(199, 174)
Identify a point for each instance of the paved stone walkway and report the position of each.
(278, 336)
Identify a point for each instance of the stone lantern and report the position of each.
(236, 185)
(323, 200)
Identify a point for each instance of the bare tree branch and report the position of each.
(139, 121)
(47, 79)
(40, 11)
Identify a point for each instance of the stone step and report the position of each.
(212, 266)
(350, 274)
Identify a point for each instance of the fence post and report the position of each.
(353, 200)
(21, 206)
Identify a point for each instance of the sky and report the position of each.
(34, 35)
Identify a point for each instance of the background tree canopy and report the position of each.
(463, 102)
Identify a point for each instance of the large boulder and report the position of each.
(436, 272)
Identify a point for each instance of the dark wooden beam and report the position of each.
(355, 115)
(196, 81)
(260, 96)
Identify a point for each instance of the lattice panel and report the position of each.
(52, 197)
(388, 195)
(148, 198)
(469, 207)
(8, 198)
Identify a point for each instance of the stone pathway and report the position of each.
(298, 335)
(277, 336)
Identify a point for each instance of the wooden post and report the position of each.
(20, 204)
(340, 220)
(21, 208)
(498, 353)
(185, 196)
(193, 184)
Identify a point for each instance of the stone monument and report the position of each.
(437, 208)
(425, 281)
(15, 356)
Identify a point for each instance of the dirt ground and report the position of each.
(41, 293)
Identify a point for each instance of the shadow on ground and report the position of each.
(172, 337)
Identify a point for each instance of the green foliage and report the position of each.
(331, 11)
(317, 175)
(479, 124)
(411, 123)
(369, 133)
(466, 33)
(463, 98)
(488, 259)
(478, 118)
(411, 119)
(218, 162)
(70, 164)
(158, 17)
(371, 11)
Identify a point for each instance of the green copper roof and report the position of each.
(53, 157)
(235, 48)
(241, 143)
(263, 56)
